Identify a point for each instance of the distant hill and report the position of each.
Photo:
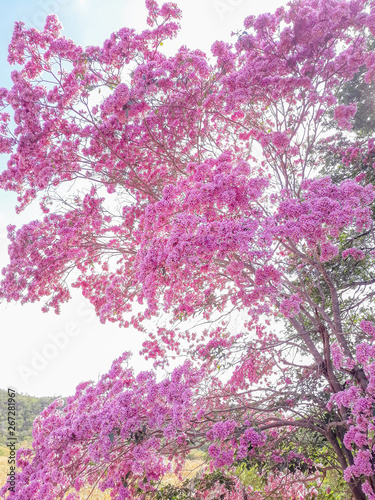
(27, 408)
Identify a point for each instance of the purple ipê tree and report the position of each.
(196, 189)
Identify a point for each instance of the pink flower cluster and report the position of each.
(123, 417)
(328, 251)
(224, 451)
(343, 114)
(356, 253)
(368, 327)
(290, 307)
(361, 402)
(280, 140)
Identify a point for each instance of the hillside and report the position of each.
(27, 408)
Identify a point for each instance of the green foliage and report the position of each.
(170, 492)
(333, 487)
(363, 94)
(190, 489)
(27, 408)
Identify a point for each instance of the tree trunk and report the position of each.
(356, 489)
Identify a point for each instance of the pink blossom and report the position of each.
(290, 307)
(328, 251)
(343, 114)
(356, 253)
(280, 140)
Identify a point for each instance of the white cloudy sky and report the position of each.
(30, 360)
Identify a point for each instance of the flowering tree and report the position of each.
(191, 187)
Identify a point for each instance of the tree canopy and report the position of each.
(232, 195)
(26, 408)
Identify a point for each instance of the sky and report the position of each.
(49, 354)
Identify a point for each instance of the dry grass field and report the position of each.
(4, 469)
